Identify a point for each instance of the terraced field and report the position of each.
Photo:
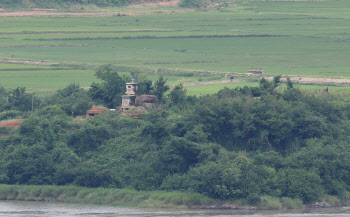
(292, 38)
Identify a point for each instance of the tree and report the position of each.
(160, 87)
(290, 84)
(299, 183)
(3, 98)
(270, 86)
(145, 87)
(178, 95)
(72, 99)
(109, 91)
(20, 100)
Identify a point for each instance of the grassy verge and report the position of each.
(120, 197)
(149, 199)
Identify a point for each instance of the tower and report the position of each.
(131, 89)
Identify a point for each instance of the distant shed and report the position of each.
(146, 100)
(261, 72)
(95, 110)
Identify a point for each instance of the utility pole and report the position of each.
(114, 60)
(32, 104)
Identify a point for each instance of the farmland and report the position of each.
(303, 38)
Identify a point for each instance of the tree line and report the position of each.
(238, 144)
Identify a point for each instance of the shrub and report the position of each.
(269, 202)
(290, 203)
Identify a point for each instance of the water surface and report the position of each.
(43, 209)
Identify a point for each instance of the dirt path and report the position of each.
(28, 62)
(210, 83)
(11, 124)
(304, 80)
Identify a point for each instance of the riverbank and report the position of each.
(105, 196)
(145, 199)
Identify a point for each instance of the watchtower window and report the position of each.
(129, 86)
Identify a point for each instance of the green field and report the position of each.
(307, 38)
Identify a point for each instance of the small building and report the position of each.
(146, 100)
(261, 72)
(131, 89)
(95, 110)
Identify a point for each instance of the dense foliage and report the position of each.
(240, 143)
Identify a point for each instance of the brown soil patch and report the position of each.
(58, 14)
(43, 9)
(27, 62)
(11, 124)
(159, 3)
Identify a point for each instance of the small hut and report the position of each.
(260, 72)
(146, 100)
(95, 110)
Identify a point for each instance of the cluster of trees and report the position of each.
(240, 143)
(73, 100)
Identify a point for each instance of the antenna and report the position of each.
(289, 64)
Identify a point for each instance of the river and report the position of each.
(42, 209)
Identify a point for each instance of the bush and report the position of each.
(333, 200)
(299, 183)
(253, 199)
(9, 114)
(268, 202)
(290, 203)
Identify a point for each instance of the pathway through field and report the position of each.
(303, 80)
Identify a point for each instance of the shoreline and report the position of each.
(143, 199)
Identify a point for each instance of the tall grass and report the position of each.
(125, 197)
(268, 202)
